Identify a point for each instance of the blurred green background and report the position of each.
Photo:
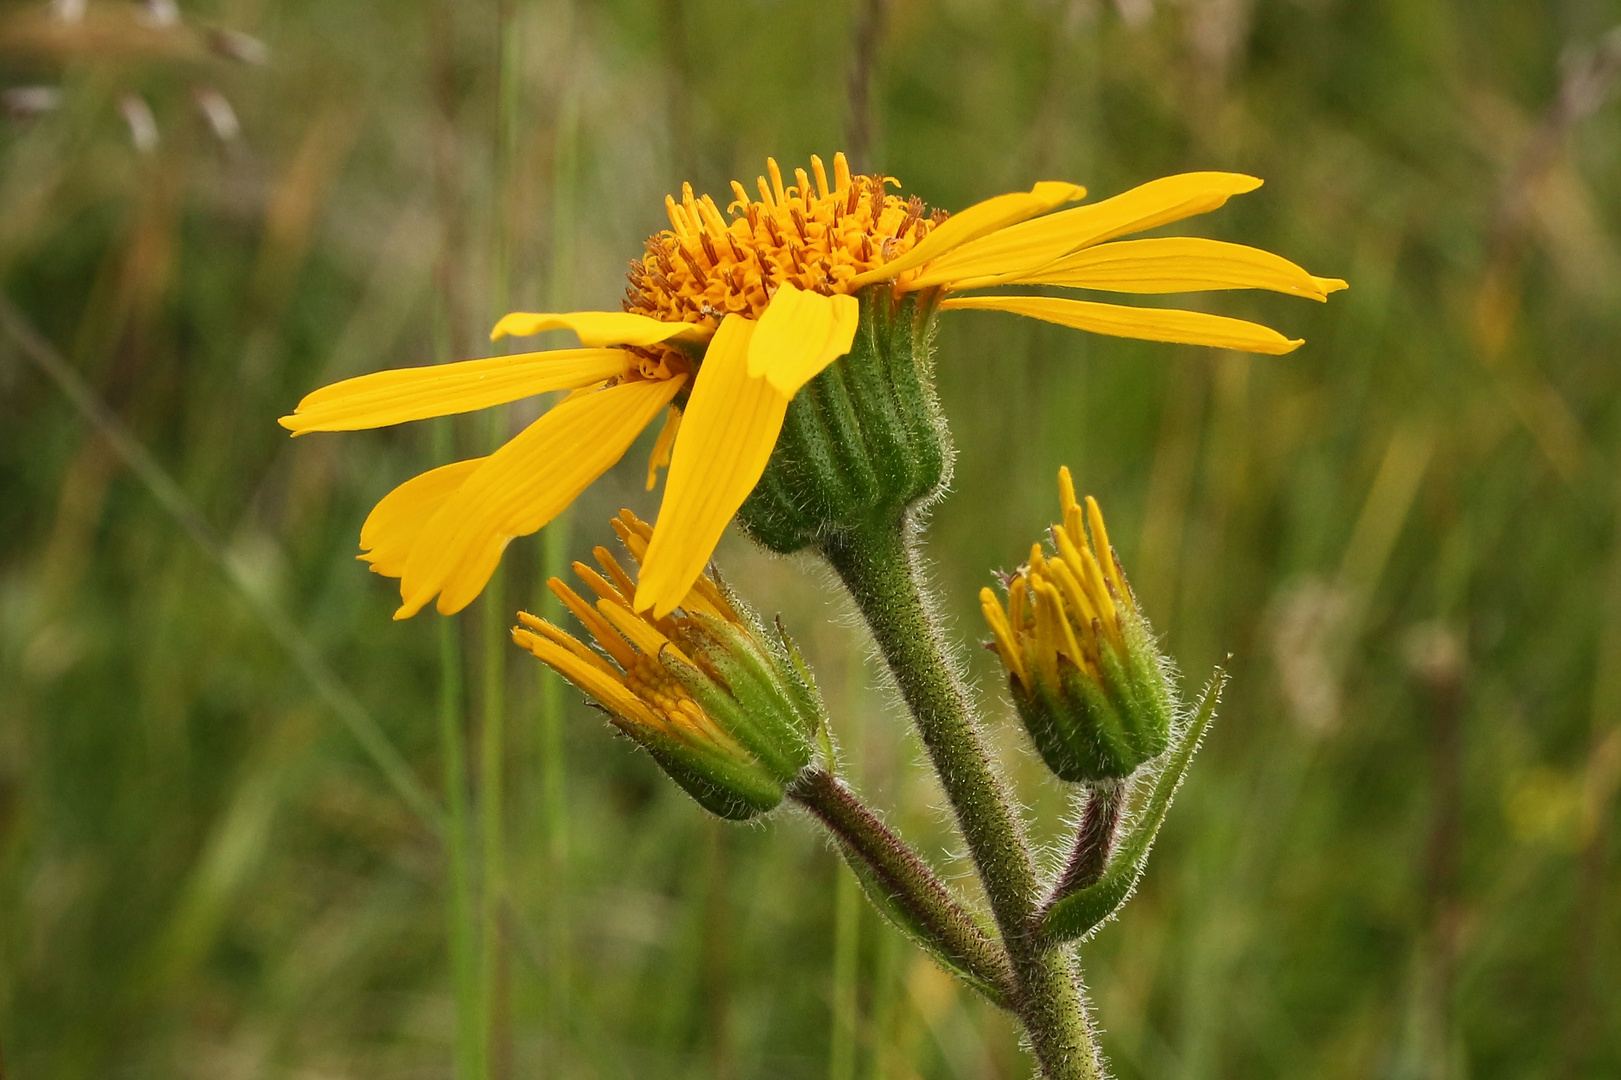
(1396, 856)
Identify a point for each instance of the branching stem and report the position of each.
(1094, 842)
(879, 565)
(908, 880)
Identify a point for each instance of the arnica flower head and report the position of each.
(729, 314)
(1082, 664)
(729, 713)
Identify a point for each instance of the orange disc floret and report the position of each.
(816, 236)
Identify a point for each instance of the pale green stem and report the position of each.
(496, 618)
(554, 889)
(453, 740)
(841, 1057)
(494, 623)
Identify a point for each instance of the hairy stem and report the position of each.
(1100, 820)
(880, 568)
(906, 877)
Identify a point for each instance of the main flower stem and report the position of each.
(879, 565)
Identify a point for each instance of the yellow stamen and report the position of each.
(821, 176)
(841, 173)
(776, 180)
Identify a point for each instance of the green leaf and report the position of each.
(1075, 916)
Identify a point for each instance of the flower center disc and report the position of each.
(816, 236)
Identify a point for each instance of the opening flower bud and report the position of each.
(728, 711)
(1083, 669)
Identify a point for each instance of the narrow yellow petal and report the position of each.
(637, 630)
(601, 631)
(799, 335)
(598, 328)
(1025, 247)
(1092, 576)
(978, 220)
(1064, 573)
(568, 641)
(1003, 633)
(731, 426)
(622, 581)
(1105, 550)
(1149, 324)
(1017, 615)
(1066, 492)
(1176, 264)
(596, 582)
(392, 528)
(1066, 638)
(660, 457)
(394, 397)
(608, 690)
(521, 487)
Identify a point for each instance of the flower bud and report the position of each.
(1083, 669)
(729, 712)
(861, 441)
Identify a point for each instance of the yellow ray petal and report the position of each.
(1025, 247)
(608, 690)
(1105, 550)
(985, 217)
(799, 335)
(521, 487)
(1149, 324)
(727, 435)
(394, 397)
(1179, 264)
(392, 528)
(598, 328)
(660, 457)
(1002, 632)
(567, 640)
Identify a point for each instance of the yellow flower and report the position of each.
(726, 712)
(1083, 668)
(1068, 606)
(725, 320)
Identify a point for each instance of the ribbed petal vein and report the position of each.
(1180, 264)
(982, 218)
(392, 528)
(1149, 324)
(599, 328)
(1024, 247)
(799, 335)
(521, 487)
(728, 431)
(394, 397)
